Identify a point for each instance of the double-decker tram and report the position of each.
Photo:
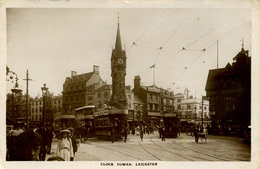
(85, 115)
(110, 123)
(171, 125)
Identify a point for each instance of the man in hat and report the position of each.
(27, 147)
(73, 141)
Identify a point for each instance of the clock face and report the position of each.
(120, 61)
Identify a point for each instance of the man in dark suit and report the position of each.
(74, 144)
(163, 134)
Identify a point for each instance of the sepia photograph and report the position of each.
(121, 84)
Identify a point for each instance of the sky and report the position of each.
(52, 42)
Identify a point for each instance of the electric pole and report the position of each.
(27, 100)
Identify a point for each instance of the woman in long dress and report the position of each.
(64, 148)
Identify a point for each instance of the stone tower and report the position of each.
(118, 73)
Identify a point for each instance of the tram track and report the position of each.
(223, 158)
(118, 152)
(238, 159)
(182, 156)
(149, 152)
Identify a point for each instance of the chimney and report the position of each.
(137, 84)
(186, 93)
(96, 69)
(73, 73)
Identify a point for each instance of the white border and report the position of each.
(254, 5)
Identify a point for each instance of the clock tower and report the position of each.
(118, 73)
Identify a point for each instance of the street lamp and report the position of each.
(44, 95)
(16, 89)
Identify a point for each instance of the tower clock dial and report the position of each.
(120, 61)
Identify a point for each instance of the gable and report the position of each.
(228, 71)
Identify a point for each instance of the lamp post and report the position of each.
(203, 97)
(16, 89)
(44, 95)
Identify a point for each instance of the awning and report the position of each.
(154, 114)
(67, 116)
(84, 107)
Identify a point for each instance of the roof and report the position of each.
(138, 100)
(105, 87)
(212, 80)
(81, 77)
(152, 88)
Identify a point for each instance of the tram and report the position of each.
(171, 125)
(110, 123)
(85, 115)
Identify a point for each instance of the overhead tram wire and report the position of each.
(197, 40)
(160, 49)
(177, 28)
(171, 36)
(212, 44)
(207, 49)
(134, 43)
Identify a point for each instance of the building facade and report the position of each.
(150, 95)
(16, 108)
(37, 111)
(167, 101)
(192, 111)
(229, 93)
(103, 95)
(79, 90)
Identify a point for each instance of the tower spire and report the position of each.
(118, 18)
(118, 45)
(242, 43)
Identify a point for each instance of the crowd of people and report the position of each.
(35, 143)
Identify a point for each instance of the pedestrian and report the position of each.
(112, 135)
(49, 135)
(64, 147)
(196, 131)
(125, 132)
(27, 147)
(141, 134)
(11, 141)
(74, 144)
(163, 134)
(160, 132)
(43, 132)
(205, 131)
